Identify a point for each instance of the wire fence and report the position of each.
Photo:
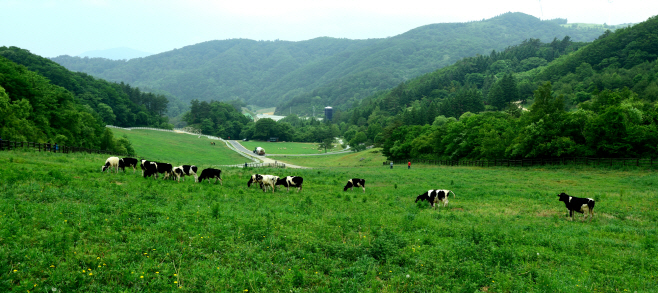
(51, 147)
(583, 161)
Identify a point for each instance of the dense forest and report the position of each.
(595, 99)
(295, 76)
(116, 103)
(42, 101)
(33, 109)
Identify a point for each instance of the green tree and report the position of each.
(358, 142)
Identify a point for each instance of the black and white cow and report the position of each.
(130, 162)
(434, 196)
(189, 170)
(267, 180)
(113, 162)
(254, 179)
(166, 169)
(578, 204)
(211, 173)
(355, 182)
(144, 164)
(294, 181)
(149, 169)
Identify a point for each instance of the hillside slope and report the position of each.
(339, 71)
(597, 99)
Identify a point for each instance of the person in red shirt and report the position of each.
(409, 165)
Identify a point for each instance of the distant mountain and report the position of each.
(323, 71)
(122, 53)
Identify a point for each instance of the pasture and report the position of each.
(287, 148)
(179, 148)
(367, 158)
(67, 227)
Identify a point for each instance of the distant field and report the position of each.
(178, 149)
(372, 157)
(284, 147)
(66, 227)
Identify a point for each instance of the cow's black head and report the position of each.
(107, 165)
(563, 197)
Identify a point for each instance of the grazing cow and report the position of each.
(113, 162)
(294, 181)
(189, 170)
(434, 196)
(355, 182)
(130, 162)
(254, 179)
(149, 168)
(268, 180)
(211, 173)
(578, 204)
(166, 169)
(144, 164)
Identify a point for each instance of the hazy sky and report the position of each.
(56, 27)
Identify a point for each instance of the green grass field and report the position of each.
(285, 147)
(67, 227)
(179, 148)
(372, 157)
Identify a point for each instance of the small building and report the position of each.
(328, 113)
(274, 139)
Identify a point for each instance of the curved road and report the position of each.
(265, 160)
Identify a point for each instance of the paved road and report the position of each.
(265, 160)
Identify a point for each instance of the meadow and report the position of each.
(179, 148)
(68, 227)
(371, 157)
(287, 148)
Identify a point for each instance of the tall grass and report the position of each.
(68, 227)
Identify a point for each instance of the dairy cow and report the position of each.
(130, 162)
(433, 196)
(355, 182)
(211, 173)
(578, 204)
(113, 162)
(294, 181)
(189, 170)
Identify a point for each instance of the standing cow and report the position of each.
(189, 170)
(434, 196)
(578, 204)
(211, 173)
(355, 182)
(113, 162)
(130, 162)
(294, 181)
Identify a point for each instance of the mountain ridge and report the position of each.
(339, 71)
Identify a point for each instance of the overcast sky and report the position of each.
(57, 27)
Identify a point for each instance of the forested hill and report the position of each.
(35, 110)
(322, 71)
(115, 103)
(598, 99)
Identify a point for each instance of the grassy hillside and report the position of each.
(179, 149)
(369, 158)
(338, 71)
(283, 147)
(68, 227)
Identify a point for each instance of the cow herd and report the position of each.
(574, 204)
(153, 169)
